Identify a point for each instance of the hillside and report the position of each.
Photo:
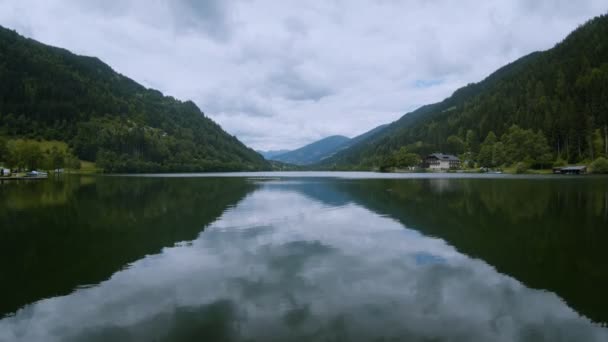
(314, 152)
(49, 93)
(363, 137)
(561, 93)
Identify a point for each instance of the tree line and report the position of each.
(520, 148)
(27, 155)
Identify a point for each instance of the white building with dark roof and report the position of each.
(440, 161)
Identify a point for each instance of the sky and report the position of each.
(281, 74)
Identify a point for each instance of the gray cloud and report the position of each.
(282, 74)
(294, 85)
(210, 16)
(218, 102)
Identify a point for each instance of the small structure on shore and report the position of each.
(36, 174)
(440, 161)
(5, 172)
(570, 170)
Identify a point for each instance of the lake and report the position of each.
(304, 257)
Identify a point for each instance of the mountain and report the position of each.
(314, 152)
(319, 150)
(49, 93)
(268, 155)
(561, 93)
(363, 137)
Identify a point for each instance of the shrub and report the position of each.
(559, 162)
(521, 167)
(600, 165)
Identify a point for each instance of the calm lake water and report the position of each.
(304, 257)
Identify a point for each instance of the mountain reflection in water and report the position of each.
(352, 260)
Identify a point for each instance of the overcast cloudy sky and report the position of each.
(280, 74)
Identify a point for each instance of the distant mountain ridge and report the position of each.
(268, 155)
(51, 93)
(320, 150)
(314, 152)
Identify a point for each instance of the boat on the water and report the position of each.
(36, 174)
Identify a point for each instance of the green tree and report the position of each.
(12, 157)
(492, 152)
(29, 156)
(403, 158)
(455, 145)
(46, 162)
(72, 162)
(491, 139)
(108, 161)
(498, 155)
(57, 158)
(521, 167)
(485, 156)
(522, 145)
(597, 143)
(472, 142)
(600, 165)
(540, 151)
(4, 149)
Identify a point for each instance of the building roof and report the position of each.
(573, 168)
(441, 156)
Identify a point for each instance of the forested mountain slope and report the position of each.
(50, 93)
(561, 93)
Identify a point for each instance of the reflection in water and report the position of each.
(549, 234)
(58, 235)
(283, 264)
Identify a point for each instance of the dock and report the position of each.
(2, 179)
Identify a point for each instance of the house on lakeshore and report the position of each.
(4, 172)
(440, 161)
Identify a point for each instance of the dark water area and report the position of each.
(304, 257)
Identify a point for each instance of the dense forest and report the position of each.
(47, 93)
(559, 96)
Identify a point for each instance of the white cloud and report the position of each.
(282, 74)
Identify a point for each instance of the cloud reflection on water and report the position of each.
(282, 266)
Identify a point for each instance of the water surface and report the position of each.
(303, 257)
